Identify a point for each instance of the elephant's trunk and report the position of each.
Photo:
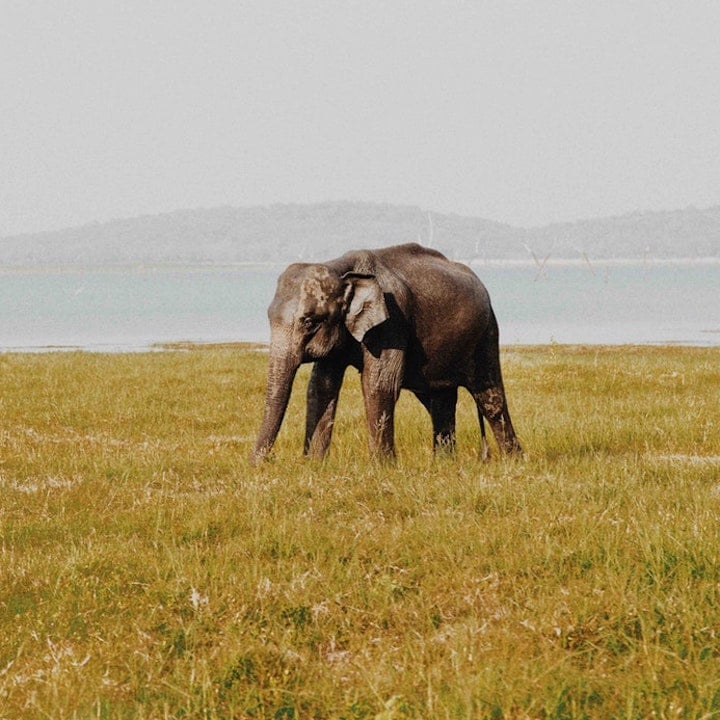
(281, 374)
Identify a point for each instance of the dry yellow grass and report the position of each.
(147, 571)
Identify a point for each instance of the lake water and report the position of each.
(132, 309)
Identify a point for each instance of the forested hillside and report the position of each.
(282, 233)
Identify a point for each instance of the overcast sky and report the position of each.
(521, 112)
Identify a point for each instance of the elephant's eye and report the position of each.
(311, 323)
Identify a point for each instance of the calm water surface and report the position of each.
(126, 309)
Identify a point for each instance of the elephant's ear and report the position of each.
(365, 304)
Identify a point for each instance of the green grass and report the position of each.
(147, 571)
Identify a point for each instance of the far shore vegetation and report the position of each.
(478, 263)
(317, 231)
(148, 571)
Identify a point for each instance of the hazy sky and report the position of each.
(522, 112)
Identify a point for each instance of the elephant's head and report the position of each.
(315, 311)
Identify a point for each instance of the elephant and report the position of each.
(405, 316)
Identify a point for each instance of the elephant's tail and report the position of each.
(485, 449)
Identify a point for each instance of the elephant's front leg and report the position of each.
(381, 381)
(322, 398)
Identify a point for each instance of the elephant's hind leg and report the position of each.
(441, 406)
(492, 405)
(489, 393)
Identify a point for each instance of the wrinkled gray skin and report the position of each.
(405, 317)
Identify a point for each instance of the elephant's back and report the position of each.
(431, 289)
(434, 279)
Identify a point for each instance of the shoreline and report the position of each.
(261, 346)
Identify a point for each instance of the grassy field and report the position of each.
(147, 571)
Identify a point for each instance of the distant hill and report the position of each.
(283, 233)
